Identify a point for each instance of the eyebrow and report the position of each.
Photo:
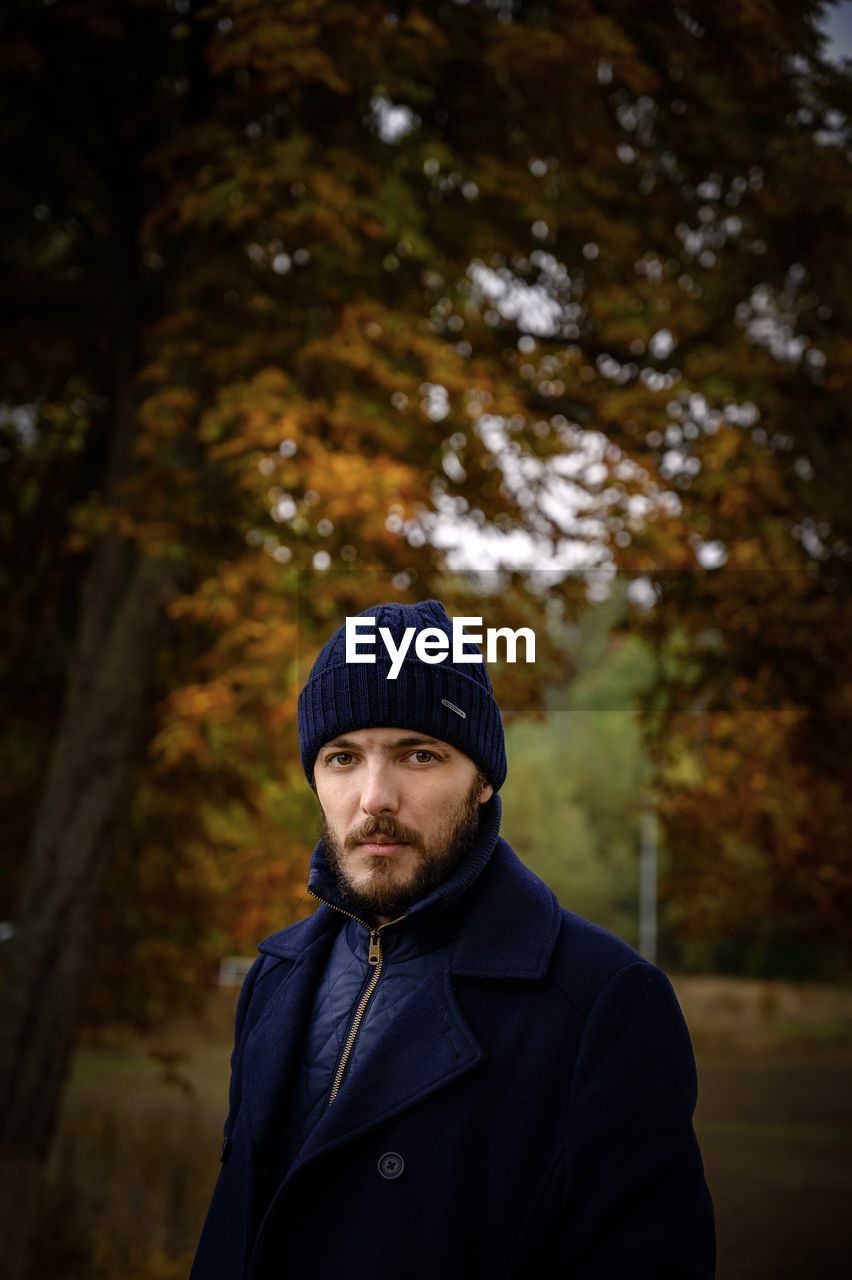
(417, 740)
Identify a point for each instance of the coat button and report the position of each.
(391, 1164)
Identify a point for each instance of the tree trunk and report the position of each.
(121, 603)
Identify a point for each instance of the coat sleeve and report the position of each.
(636, 1205)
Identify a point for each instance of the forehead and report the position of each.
(387, 740)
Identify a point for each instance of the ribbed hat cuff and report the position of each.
(348, 697)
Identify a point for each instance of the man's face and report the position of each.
(400, 810)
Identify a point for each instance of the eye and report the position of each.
(340, 759)
(430, 755)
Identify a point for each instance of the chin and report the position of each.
(387, 874)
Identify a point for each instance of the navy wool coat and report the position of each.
(528, 1113)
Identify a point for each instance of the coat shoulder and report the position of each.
(586, 957)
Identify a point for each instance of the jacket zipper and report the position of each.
(374, 958)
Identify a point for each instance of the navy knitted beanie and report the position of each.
(452, 702)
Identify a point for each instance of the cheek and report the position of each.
(334, 796)
(428, 817)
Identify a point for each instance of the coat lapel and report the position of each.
(427, 1046)
(273, 1046)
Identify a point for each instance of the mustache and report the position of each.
(387, 827)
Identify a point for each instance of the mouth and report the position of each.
(382, 847)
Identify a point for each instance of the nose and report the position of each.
(379, 794)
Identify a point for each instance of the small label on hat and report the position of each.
(453, 707)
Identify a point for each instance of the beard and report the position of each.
(385, 894)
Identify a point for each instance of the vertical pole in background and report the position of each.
(648, 884)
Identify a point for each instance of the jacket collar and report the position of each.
(512, 925)
(510, 921)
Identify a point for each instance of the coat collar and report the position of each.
(512, 925)
(509, 927)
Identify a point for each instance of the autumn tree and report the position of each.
(306, 300)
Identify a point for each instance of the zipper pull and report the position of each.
(375, 947)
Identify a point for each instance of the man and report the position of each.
(441, 1073)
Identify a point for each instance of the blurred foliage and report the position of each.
(577, 782)
(366, 280)
(573, 801)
